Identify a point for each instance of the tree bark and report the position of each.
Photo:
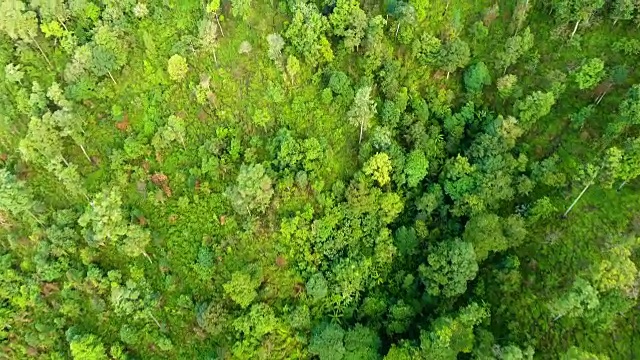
(112, 79)
(42, 52)
(85, 153)
(576, 200)
(621, 185)
(397, 29)
(361, 129)
(575, 28)
(218, 21)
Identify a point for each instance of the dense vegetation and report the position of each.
(328, 179)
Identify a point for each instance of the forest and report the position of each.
(319, 179)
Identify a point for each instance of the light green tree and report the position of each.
(253, 190)
(448, 268)
(590, 74)
(379, 168)
(177, 68)
(362, 110)
(242, 288)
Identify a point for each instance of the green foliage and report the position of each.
(253, 190)
(580, 298)
(477, 76)
(177, 67)
(590, 74)
(575, 353)
(449, 266)
(241, 288)
(306, 33)
(416, 167)
(241, 9)
(362, 110)
(317, 286)
(327, 342)
(379, 168)
(87, 347)
(181, 179)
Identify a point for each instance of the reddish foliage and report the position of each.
(281, 261)
(124, 124)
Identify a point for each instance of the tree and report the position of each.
(506, 85)
(108, 51)
(177, 67)
(405, 15)
(416, 167)
(241, 9)
(608, 170)
(623, 10)
(87, 347)
(485, 232)
(361, 343)
(575, 353)
(208, 36)
(212, 8)
(103, 220)
(242, 288)
(427, 49)
(514, 48)
(362, 110)
(13, 73)
(630, 163)
(276, 44)
(173, 131)
(476, 77)
(519, 15)
(14, 197)
(69, 125)
(349, 22)
(379, 168)
(449, 266)
(533, 107)
(453, 55)
(252, 191)
(590, 74)
(20, 24)
(574, 303)
(576, 11)
(306, 33)
(327, 342)
(450, 335)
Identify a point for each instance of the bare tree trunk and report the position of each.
(397, 29)
(42, 52)
(220, 26)
(85, 153)
(361, 129)
(112, 79)
(448, 73)
(575, 28)
(62, 23)
(576, 200)
(621, 185)
(214, 56)
(155, 320)
(34, 217)
(147, 256)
